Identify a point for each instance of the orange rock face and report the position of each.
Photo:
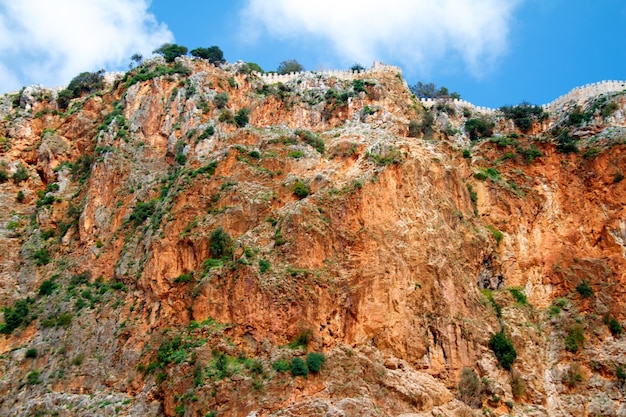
(176, 258)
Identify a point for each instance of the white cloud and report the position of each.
(414, 32)
(49, 42)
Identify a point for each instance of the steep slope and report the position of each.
(177, 241)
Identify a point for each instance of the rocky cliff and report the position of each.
(190, 240)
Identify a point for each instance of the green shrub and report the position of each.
(620, 373)
(576, 117)
(20, 174)
(220, 100)
(180, 158)
(530, 154)
(302, 339)
(575, 338)
(249, 67)
(47, 287)
(299, 367)
(584, 289)
(518, 385)
(473, 195)
(524, 115)
(565, 143)
(142, 211)
(311, 139)
(255, 366)
(422, 128)
(80, 279)
(170, 51)
(209, 131)
(226, 116)
(184, 278)
(213, 54)
(220, 243)
(281, 365)
(295, 154)
(614, 325)
(485, 173)
(47, 234)
(301, 189)
(33, 377)
(4, 175)
(519, 295)
(81, 169)
(64, 320)
(479, 128)
(469, 387)
(41, 257)
(609, 109)
(314, 362)
(503, 348)
(83, 83)
(15, 316)
(497, 235)
(44, 200)
(367, 110)
(467, 154)
(573, 376)
(146, 73)
(241, 118)
(31, 353)
(264, 265)
(359, 86)
(77, 360)
(389, 155)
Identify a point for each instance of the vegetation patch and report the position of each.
(470, 387)
(314, 362)
(299, 367)
(575, 337)
(519, 295)
(479, 128)
(16, 315)
(311, 139)
(524, 115)
(584, 289)
(301, 189)
(503, 348)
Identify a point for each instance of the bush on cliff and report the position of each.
(213, 54)
(83, 83)
(298, 367)
(170, 51)
(220, 243)
(503, 348)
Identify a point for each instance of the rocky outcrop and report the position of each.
(174, 244)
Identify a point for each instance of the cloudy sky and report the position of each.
(493, 52)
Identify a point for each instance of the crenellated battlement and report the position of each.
(582, 93)
(578, 94)
(347, 75)
(430, 102)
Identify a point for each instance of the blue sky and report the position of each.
(493, 52)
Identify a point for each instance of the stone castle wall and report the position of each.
(578, 94)
(582, 93)
(347, 75)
